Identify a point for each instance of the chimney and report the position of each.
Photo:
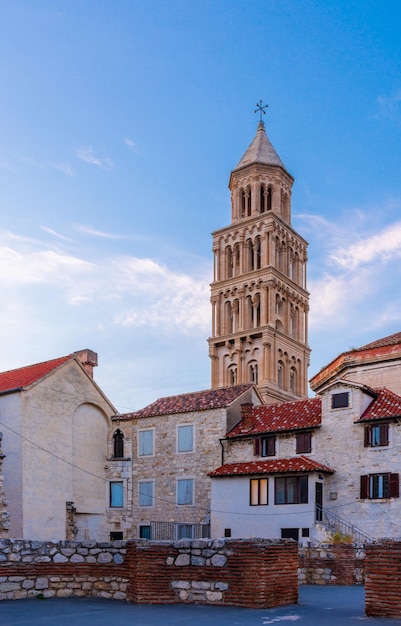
(88, 359)
(246, 416)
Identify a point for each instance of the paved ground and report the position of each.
(318, 606)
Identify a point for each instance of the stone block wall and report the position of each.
(383, 579)
(258, 573)
(332, 564)
(62, 569)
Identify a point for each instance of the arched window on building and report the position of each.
(236, 259)
(257, 253)
(269, 198)
(253, 372)
(280, 374)
(242, 202)
(293, 380)
(249, 256)
(118, 444)
(262, 199)
(249, 201)
(229, 318)
(232, 375)
(248, 312)
(256, 310)
(235, 316)
(229, 262)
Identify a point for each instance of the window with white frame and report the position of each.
(185, 491)
(145, 442)
(379, 486)
(185, 438)
(146, 495)
(116, 494)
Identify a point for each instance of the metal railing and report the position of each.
(335, 523)
(171, 531)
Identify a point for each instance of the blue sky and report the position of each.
(120, 121)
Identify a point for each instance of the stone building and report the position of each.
(311, 468)
(55, 420)
(159, 458)
(259, 299)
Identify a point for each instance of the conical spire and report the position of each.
(261, 151)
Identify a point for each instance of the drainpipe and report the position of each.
(222, 450)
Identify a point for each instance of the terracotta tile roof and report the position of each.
(389, 345)
(391, 340)
(283, 416)
(273, 466)
(13, 380)
(386, 405)
(187, 402)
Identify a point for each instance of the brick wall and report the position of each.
(383, 579)
(332, 564)
(257, 573)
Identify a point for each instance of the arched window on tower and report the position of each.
(236, 259)
(118, 444)
(249, 255)
(249, 201)
(257, 253)
(229, 318)
(242, 202)
(232, 375)
(262, 199)
(249, 312)
(269, 198)
(229, 262)
(253, 372)
(293, 380)
(280, 375)
(235, 316)
(256, 310)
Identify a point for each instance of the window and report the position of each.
(144, 531)
(185, 491)
(185, 531)
(146, 492)
(265, 446)
(379, 486)
(259, 491)
(117, 494)
(290, 533)
(340, 400)
(227, 532)
(291, 490)
(118, 444)
(304, 443)
(185, 438)
(145, 442)
(376, 435)
(116, 536)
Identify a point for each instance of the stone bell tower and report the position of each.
(258, 294)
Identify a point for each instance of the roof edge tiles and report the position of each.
(22, 377)
(188, 402)
(299, 464)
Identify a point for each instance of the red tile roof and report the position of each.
(187, 402)
(386, 405)
(282, 416)
(273, 466)
(390, 340)
(370, 352)
(13, 380)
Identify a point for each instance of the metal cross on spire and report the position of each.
(261, 108)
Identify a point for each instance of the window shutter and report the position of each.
(256, 446)
(366, 442)
(394, 485)
(364, 487)
(271, 446)
(384, 434)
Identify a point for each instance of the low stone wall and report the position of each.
(250, 573)
(62, 569)
(383, 579)
(332, 564)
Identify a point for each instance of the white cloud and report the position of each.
(87, 155)
(98, 233)
(380, 247)
(131, 145)
(54, 233)
(390, 106)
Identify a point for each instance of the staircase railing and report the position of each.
(335, 523)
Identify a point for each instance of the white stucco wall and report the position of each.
(231, 509)
(63, 422)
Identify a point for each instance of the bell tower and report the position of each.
(258, 294)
